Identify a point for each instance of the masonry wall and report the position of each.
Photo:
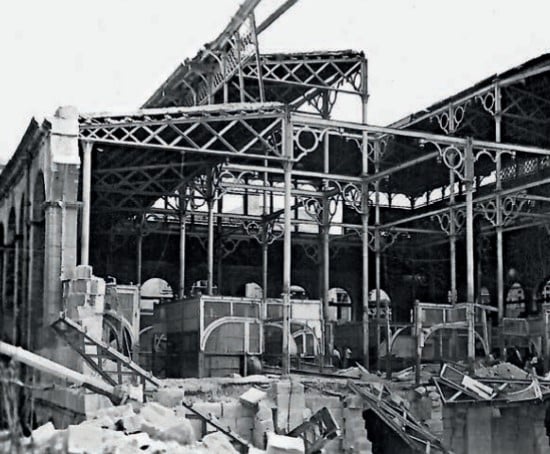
(482, 429)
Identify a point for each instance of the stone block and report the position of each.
(182, 432)
(264, 412)
(139, 440)
(217, 442)
(79, 287)
(104, 421)
(244, 427)
(234, 409)
(259, 434)
(209, 408)
(290, 402)
(115, 413)
(153, 411)
(84, 439)
(170, 397)
(280, 444)
(135, 392)
(132, 423)
(252, 397)
(83, 272)
(353, 402)
(197, 426)
(42, 435)
(421, 390)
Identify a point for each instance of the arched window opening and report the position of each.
(297, 292)
(515, 301)
(385, 304)
(340, 304)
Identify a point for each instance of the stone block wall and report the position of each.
(355, 437)
(482, 428)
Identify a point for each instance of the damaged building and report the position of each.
(230, 267)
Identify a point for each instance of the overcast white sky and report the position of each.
(112, 54)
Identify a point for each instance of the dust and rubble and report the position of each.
(353, 410)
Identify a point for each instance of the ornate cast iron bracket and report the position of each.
(264, 232)
(511, 207)
(450, 120)
(446, 220)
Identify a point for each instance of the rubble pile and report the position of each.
(502, 370)
(148, 428)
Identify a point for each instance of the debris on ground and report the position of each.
(502, 370)
(151, 428)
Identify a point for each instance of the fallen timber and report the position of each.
(57, 370)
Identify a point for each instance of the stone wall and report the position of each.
(482, 428)
(286, 404)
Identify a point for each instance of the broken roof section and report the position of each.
(291, 78)
(455, 386)
(231, 69)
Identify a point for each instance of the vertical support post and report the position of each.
(377, 251)
(86, 197)
(452, 226)
(139, 253)
(238, 45)
(210, 247)
(265, 264)
(325, 238)
(452, 237)
(225, 84)
(418, 342)
(546, 340)
(258, 57)
(265, 242)
(469, 176)
(182, 246)
(287, 242)
(499, 220)
(220, 249)
(365, 216)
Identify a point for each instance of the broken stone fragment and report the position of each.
(132, 423)
(84, 439)
(114, 412)
(42, 435)
(181, 432)
(218, 443)
(170, 397)
(421, 390)
(280, 444)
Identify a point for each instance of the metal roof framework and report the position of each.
(235, 122)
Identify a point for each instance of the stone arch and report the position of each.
(37, 259)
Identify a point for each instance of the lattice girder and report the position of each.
(249, 130)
